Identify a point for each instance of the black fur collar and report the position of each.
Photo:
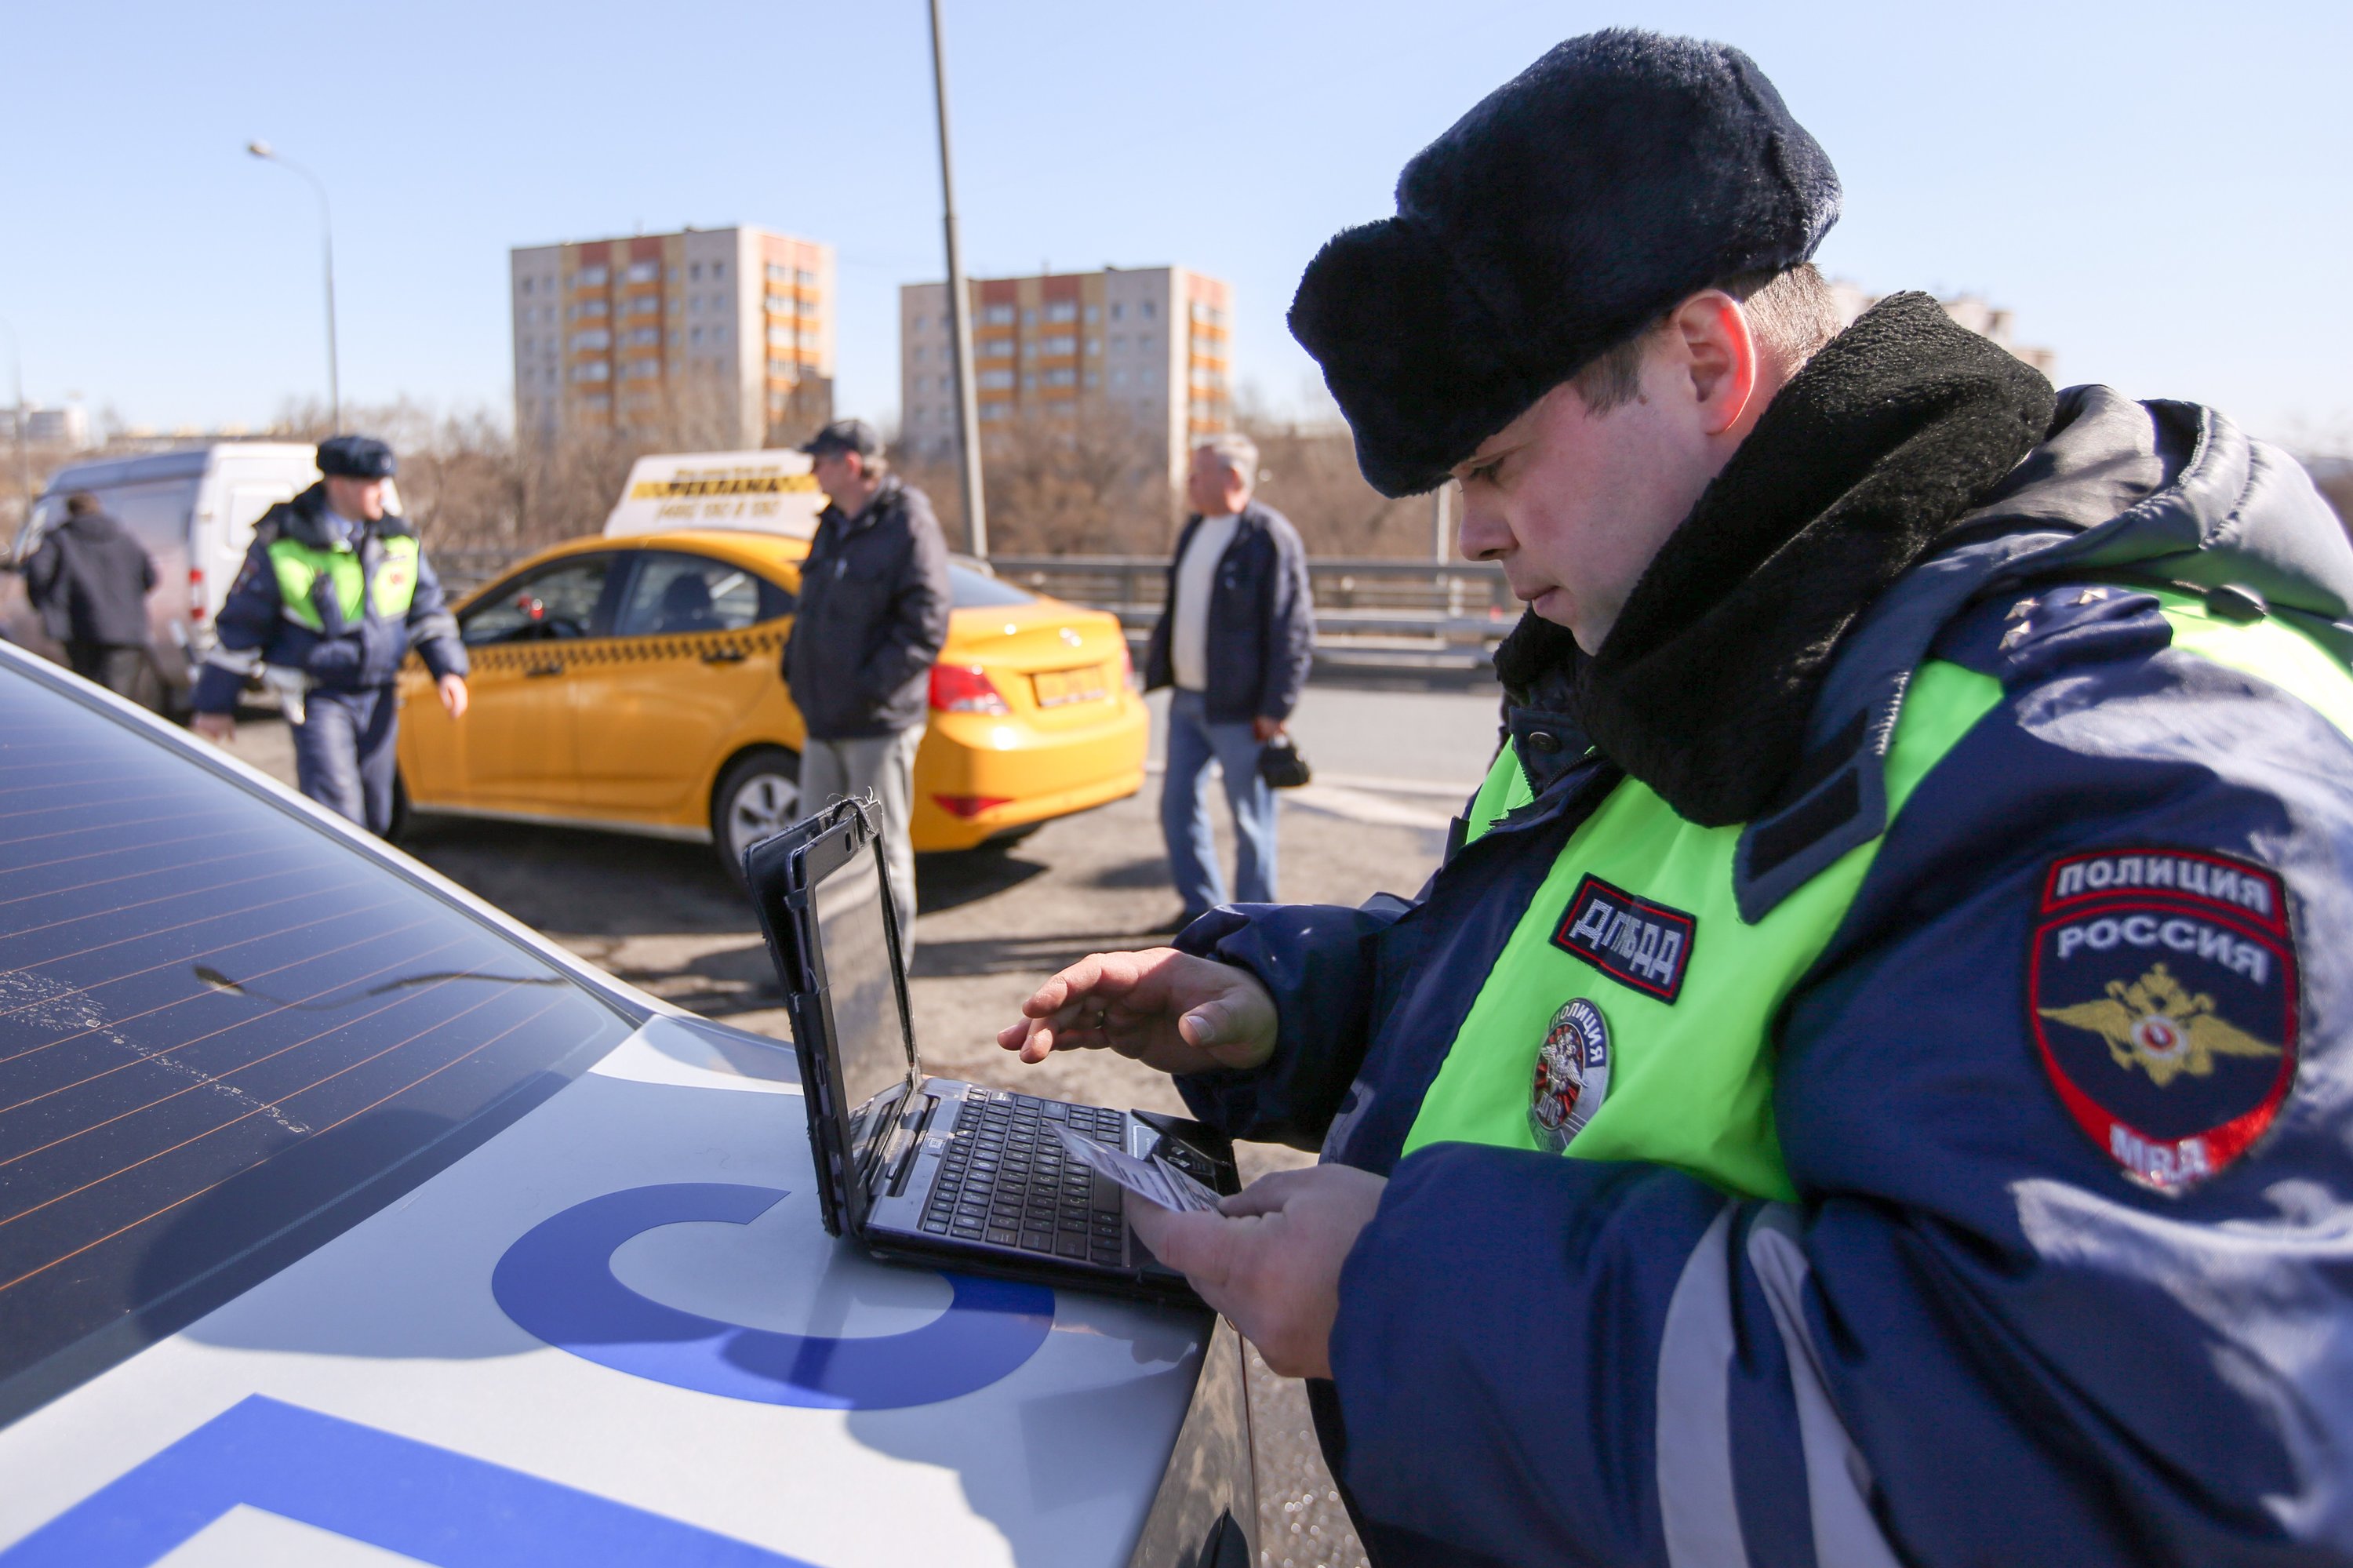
(1891, 433)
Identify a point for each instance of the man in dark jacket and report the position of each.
(1865, 1084)
(334, 592)
(1235, 642)
(873, 615)
(90, 580)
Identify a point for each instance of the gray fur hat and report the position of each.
(1619, 173)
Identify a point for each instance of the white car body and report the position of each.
(194, 510)
(612, 1331)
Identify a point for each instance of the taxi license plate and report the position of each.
(1057, 687)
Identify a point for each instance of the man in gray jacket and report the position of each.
(90, 579)
(873, 614)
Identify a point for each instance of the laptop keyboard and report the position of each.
(1004, 1178)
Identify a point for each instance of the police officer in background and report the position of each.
(334, 592)
(1868, 1083)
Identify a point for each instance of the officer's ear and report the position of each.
(1714, 354)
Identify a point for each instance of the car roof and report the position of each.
(743, 545)
(184, 462)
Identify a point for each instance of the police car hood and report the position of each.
(2168, 490)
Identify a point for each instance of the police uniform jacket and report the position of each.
(340, 641)
(2062, 1268)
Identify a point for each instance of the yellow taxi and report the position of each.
(632, 685)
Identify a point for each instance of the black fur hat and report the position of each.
(1579, 200)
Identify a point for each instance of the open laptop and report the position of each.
(929, 1169)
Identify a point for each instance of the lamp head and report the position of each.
(259, 149)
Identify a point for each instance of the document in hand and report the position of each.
(1155, 1181)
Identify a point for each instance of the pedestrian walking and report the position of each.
(334, 592)
(1865, 1084)
(872, 617)
(90, 580)
(1235, 642)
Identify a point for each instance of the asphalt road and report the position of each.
(1392, 766)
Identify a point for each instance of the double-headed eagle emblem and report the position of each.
(2158, 1024)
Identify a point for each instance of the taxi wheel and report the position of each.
(759, 796)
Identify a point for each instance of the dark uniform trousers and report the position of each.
(343, 753)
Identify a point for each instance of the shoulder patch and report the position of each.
(1633, 940)
(2161, 991)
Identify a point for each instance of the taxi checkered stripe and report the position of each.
(624, 649)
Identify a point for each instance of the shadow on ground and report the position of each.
(655, 886)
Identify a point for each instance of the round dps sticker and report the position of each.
(1572, 1076)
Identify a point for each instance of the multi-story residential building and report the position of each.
(66, 427)
(718, 336)
(1148, 349)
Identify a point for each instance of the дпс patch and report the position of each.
(2161, 991)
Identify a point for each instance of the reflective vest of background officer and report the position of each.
(334, 593)
(1867, 1083)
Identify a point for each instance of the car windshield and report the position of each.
(226, 1035)
(969, 589)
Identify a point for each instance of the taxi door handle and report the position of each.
(724, 656)
(536, 671)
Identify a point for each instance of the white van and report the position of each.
(194, 510)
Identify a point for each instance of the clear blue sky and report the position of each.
(2159, 191)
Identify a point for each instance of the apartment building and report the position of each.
(720, 338)
(1148, 349)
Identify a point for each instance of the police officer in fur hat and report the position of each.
(1866, 1084)
(334, 592)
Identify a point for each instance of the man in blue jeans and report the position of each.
(1235, 642)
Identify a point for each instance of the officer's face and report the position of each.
(361, 499)
(1575, 504)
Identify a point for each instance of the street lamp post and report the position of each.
(327, 249)
(976, 512)
(24, 460)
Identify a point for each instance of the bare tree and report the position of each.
(1089, 480)
(1309, 473)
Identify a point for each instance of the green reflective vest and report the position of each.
(1690, 1074)
(299, 567)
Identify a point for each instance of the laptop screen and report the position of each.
(870, 1039)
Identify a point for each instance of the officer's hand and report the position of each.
(1167, 1009)
(453, 695)
(1271, 1261)
(1263, 729)
(218, 728)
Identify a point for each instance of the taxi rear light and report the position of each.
(970, 806)
(966, 689)
(196, 593)
(1126, 664)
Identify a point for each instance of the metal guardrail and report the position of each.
(1355, 598)
(1448, 604)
